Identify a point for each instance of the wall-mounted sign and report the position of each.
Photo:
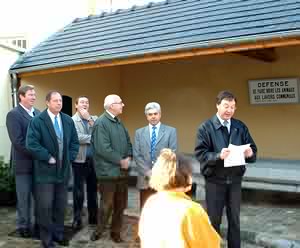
(278, 90)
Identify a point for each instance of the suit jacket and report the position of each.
(84, 136)
(17, 121)
(209, 142)
(166, 138)
(42, 142)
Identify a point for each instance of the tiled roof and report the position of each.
(168, 26)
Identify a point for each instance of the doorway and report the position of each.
(67, 105)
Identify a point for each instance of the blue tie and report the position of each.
(226, 124)
(56, 127)
(153, 143)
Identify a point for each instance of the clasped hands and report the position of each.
(124, 163)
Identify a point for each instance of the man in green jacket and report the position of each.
(112, 154)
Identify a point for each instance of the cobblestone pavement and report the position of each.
(261, 225)
(80, 240)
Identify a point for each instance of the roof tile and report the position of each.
(167, 26)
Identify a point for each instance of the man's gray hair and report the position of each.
(109, 100)
(152, 105)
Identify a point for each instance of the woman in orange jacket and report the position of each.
(170, 219)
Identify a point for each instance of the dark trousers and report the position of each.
(85, 173)
(113, 201)
(144, 195)
(25, 194)
(217, 197)
(51, 201)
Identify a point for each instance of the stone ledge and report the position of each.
(267, 240)
(265, 174)
(264, 239)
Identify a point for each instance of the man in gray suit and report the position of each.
(149, 140)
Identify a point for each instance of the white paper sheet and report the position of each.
(236, 156)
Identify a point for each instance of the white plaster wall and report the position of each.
(7, 58)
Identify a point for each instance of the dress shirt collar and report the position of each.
(112, 115)
(222, 121)
(29, 111)
(52, 117)
(156, 130)
(157, 127)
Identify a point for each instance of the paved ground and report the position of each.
(264, 223)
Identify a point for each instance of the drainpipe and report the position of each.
(14, 86)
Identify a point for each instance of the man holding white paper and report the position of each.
(236, 157)
(223, 147)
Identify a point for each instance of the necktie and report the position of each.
(226, 124)
(153, 143)
(56, 127)
(225, 132)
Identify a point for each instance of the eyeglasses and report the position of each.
(117, 103)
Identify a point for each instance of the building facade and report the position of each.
(8, 55)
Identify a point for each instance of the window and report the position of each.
(24, 43)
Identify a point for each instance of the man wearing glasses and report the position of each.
(223, 184)
(112, 154)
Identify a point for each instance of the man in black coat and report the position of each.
(223, 184)
(17, 121)
(52, 139)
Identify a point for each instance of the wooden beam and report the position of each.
(227, 48)
(266, 55)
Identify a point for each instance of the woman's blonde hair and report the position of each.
(171, 171)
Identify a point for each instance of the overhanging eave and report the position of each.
(211, 48)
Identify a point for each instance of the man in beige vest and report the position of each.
(83, 166)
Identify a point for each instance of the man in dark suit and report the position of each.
(52, 139)
(222, 183)
(17, 121)
(148, 142)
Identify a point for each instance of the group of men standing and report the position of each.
(43, 146)
(100, 151)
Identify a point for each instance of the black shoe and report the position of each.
(116, 237)
(36, 232)
(77, 225)
(62, 242)
(92, 222)
(95, 236)
(24, 233)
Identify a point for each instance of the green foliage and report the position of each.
(7, 179)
